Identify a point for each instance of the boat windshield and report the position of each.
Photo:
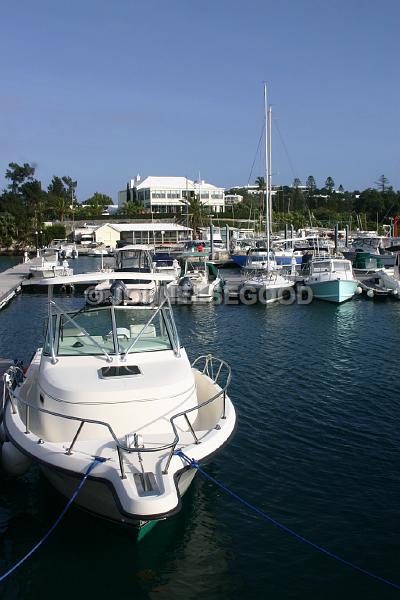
(112, 330)
(341, 265)
(322, 266)
(134, 260)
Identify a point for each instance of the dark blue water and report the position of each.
(317, 447)
(6, 262)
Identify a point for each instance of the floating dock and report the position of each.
(12, 279)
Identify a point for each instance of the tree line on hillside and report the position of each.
(307, 204)
(25, 206)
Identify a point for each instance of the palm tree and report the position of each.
(260, 181)
(195, 215)
(60, 206)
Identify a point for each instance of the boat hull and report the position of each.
(338, 290)
(264, 293)
(97, 498)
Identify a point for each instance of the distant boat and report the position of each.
(133, 258)
(65, 249)
(47, 264)
(374, 245)
(199, 282)
(270, 285)
(331, 279)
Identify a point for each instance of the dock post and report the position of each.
(336, 237)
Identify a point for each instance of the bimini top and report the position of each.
(98, 276)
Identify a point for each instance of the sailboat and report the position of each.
(270, 285)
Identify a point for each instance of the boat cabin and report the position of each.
(136, 258)
(111, 330)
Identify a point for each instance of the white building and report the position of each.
(170, 194)
(233, 199)
(142, 233)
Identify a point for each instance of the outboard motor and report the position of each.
(119, 292)
(186, 288)
(74, 253)
(63, 255)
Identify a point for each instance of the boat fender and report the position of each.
(13, 461)
(370, 293)
(358, 290)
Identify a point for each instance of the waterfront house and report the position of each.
(171, 194)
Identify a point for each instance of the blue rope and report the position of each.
(92, 465)
(193, 463)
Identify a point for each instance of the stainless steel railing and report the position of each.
(214, 368)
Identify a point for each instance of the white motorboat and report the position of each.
(114, 382)
(133, 258)
(199, 282)
(64, 248)
(165, 263)
(47, 264)
(332, 279)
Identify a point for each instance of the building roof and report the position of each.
(169, 183)
(149, 226)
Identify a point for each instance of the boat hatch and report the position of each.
(120, 371)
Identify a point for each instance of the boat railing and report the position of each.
(214, 368)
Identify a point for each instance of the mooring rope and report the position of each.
(193, 463)
(90, 468)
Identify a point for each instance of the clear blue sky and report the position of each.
(102, 90)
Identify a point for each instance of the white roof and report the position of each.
(148, 226)
(168, 183)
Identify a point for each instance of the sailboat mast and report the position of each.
(266, 174)
(270, 166)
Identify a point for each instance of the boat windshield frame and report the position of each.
(57, 317)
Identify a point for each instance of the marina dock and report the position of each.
(12, 279)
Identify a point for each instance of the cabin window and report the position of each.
(341, 266)
(88, 334)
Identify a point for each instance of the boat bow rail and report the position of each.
(215, 369)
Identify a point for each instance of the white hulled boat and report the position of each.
(47, 264)
(114, 382)
(65, 248)
(199, 282)
(133, 258)
(270, 285)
